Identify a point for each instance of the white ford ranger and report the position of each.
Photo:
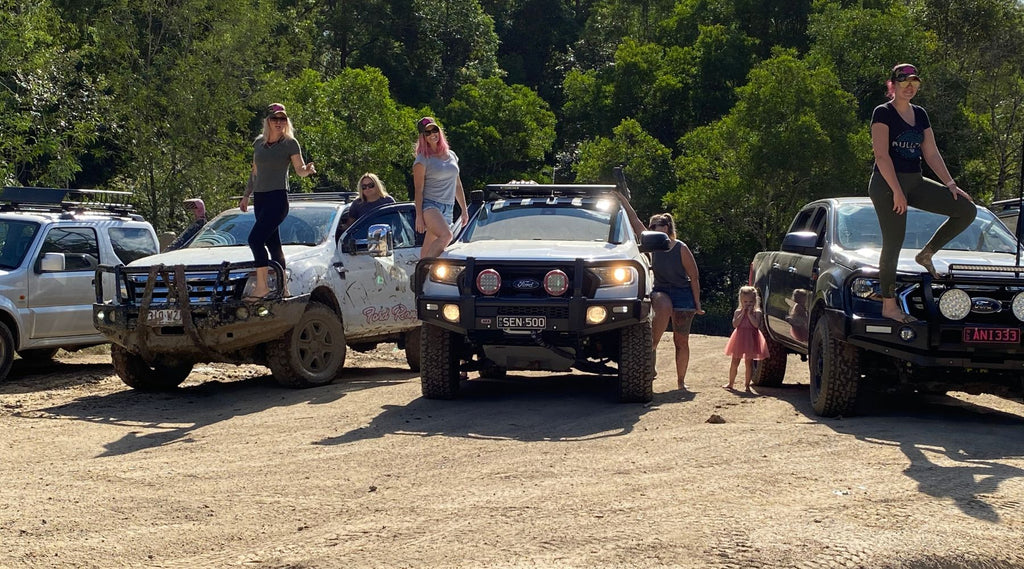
(51, 241)
(346, 288)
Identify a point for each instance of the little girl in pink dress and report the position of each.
(747, 342)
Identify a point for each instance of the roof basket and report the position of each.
(65, 200)
(530, 189)
(343, 197)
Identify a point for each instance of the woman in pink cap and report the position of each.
(435, 176)
(273, 151)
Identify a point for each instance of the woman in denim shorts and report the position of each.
(435, 176)
(676, 293)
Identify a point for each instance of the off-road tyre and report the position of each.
(439, 376)
(38, 355)
(413, 349)
(6, 351)
(770, 372)
(636, 364)
(312, 353)
(491, 370)
(834, 373)
(137, 374)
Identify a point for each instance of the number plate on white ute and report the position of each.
(522, 322)
(164, 317)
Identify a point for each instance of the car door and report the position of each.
(378, 297)
(60, 302)
(791, 280)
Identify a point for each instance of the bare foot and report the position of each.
(728, 386)
(924, 258)
(899, 316)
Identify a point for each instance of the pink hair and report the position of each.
(423, 147)
(890, 89)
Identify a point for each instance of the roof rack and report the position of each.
(528, 189)
(343, 197)
(67, 201)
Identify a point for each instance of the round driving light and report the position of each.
(596, 314)
(907, 334)
(955, 304)
(241, 313)
(262, 311)
(1018, 306)
(488, 282)
(556, 283)
(451, 312)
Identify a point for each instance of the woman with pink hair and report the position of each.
(435, 176)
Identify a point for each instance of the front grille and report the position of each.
(527, 282)
(202, 288)
(549, 311)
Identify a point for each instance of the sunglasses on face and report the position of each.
(657, 225)
(904, 78)
(278, 119)
(367, 186)
(430, 130)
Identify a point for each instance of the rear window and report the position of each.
(131, 243)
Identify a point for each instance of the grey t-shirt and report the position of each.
(440, 177)
(272, 163)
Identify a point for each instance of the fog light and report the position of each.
(451, 312)
(262, 311)
(596, 314)
(955, 304)
(112, 317)
(241, 313)
(907, 334)
(100, 315)
(1018, 306)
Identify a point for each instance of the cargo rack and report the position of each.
(67, 201)
(525, 189)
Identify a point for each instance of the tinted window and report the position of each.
(15, 238)
(78, 244)
(131, 243)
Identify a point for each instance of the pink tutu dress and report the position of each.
(747, 342)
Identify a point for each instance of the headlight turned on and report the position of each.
(615, 275)
(445, 273)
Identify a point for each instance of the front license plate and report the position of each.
(976, 335)
(164, 317)
(522, 322)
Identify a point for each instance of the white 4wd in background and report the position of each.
(346, 288)
(51, 241)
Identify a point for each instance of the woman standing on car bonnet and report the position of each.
(901, 135)
(435, 177)
(676, 293)
(273, 151)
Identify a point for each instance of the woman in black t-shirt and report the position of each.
(901, 135)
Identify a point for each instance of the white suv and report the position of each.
(51, 242)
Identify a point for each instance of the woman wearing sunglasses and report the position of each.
(901, 135)
(435, 176)
(273, 151)
(372, 195)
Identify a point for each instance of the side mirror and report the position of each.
(801, 243)
(52, 263)
(654, 241)
(380, 240)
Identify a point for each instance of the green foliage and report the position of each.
(456, 45)
(645, 161)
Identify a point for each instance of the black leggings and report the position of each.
(270, 209)
(922, 193)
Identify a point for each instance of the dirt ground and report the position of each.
(533, 471)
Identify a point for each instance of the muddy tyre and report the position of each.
(440, 374)
(6, 351)
(834, 373)
(771, 371)
(636, 364)
(136, 373)
(413, 349)
(312, 353)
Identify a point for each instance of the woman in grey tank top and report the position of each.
(676, 293)
(435, 176)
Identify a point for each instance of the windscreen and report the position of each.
(304, 226)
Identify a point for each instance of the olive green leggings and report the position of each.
(922, 193)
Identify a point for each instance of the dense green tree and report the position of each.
(456, 45)
(500, 132)
(645, 161)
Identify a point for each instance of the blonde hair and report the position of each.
(748, 290)
(289, 129)
(376, 182)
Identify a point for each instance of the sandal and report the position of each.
(924, 258)
(904, 318)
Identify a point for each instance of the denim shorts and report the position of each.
(446, 209)
(682, 297)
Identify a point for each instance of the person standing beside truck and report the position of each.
(273, 151)
(901, 135)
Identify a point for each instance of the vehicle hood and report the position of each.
(534, 250)
(216, 255)
(942, 260)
